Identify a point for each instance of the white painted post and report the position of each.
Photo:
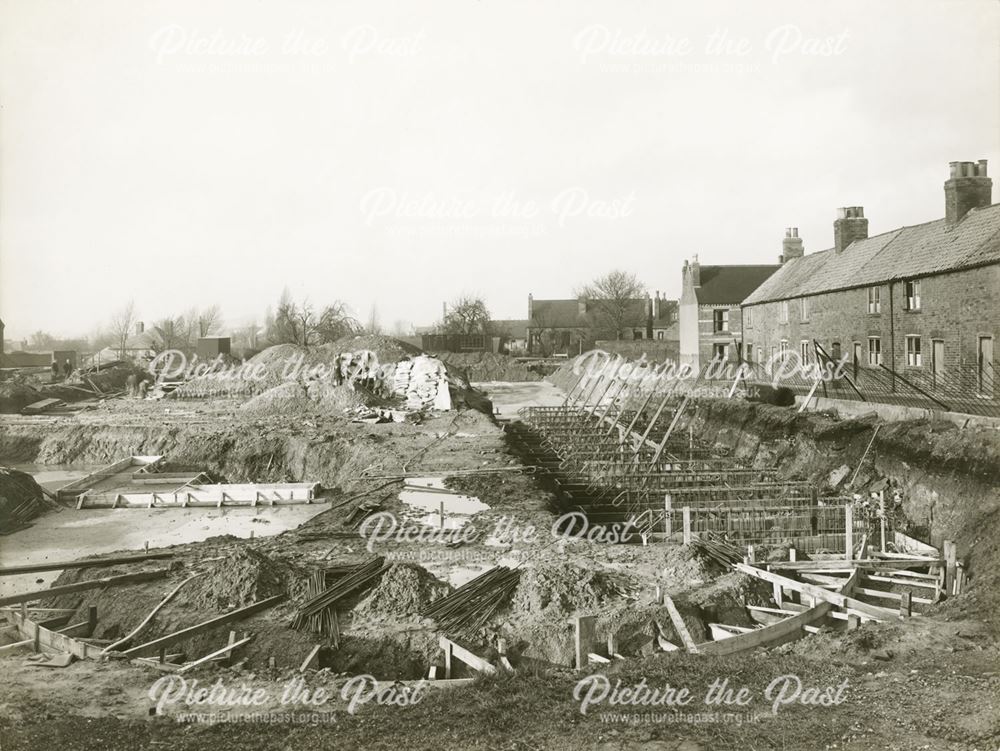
(849, 531)
(687, 525)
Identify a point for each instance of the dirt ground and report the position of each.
(930, 682)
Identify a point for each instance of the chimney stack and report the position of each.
(849, 226)
(695, 270)
(791, 246)
(139, 327)
(656, 306)
(967, 188)
(581, 304)
(531, 307)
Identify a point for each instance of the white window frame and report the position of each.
(804, 350)
(912, 292)
(874, 300)
(874, 355)
(724, 315)
(914, 354)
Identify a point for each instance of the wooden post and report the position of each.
(442, 514)
(853, 622)
(447, 660)
(37, 639)
(612, 644)
(686, 511)
(904, 604)
(950, 566)
(163, 655)
(91, 620)
(881, 519)
(667, 508)
(585, 628)
(777, 593)
(849, 531)
(750, 553)
(679, 625)
(791, 554)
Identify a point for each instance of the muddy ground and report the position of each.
(930, 682)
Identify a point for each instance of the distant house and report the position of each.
(923, 301)
(142, 344)
(513, 334)
(710, 321)
(573, 326)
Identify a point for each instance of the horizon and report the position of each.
(386, 157)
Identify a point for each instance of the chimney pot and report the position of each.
(967, 188)
(791, 245)
(849, 226)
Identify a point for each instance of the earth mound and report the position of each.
(404, 590)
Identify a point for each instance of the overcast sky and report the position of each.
(400, 154)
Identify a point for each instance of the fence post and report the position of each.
(849, 531)
(687, 525)
(950, 565)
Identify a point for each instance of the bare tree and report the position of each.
(296, 323)
(170, 333)
(209, 320)
(467, 315)
(42, 340)
(121, 326)
(614, 297)
(373, 326)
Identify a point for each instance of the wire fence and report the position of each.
(969, 389)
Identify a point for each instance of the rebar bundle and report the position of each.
(471, 606)
(717, 550)
(312, 612)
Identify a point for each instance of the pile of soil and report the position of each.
(285, 398)
(15, 395)
(243, 577)
(561, 589)
(292, 397)
(404, 590)
(386, 349)
(20, 499)
(564, 376)
(488, 366)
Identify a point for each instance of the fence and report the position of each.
(969, 389)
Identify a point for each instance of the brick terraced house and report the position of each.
(923, 301)
(710, 319)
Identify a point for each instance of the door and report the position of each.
(937, 361)
(986, 365)
(857, 358)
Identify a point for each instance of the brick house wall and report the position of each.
(730, 335)
(957, 308)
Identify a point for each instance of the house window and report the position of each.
(804, 350)
(748, 317)
(835, 351)
(720, 321)
(874, 351)
(913, 295)
(804, 309)
(784, 346)
(659, 334)
(719, 351)
(874, 299)
(783, 312)
(749, 357)
(913, 356)
(637, 334)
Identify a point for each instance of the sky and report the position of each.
(397, 154)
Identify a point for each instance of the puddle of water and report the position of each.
(458, 509)
(72, 534)
(54, 476)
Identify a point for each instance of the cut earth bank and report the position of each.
(897, 672)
